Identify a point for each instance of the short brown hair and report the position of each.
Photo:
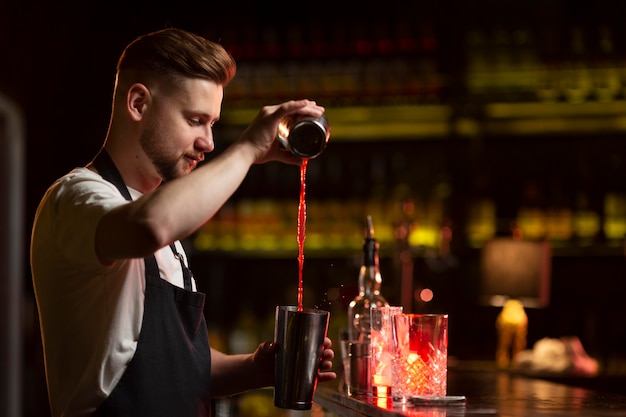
(172, 53)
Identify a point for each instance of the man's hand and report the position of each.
(265, 359)
(262, 130)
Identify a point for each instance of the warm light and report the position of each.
(283, 129)
(586, 224)
(560, 224)
(424, 235)
(481, 224)
(379, 379)
(512, 314)
(532, 221)
(426, 295)
(615, 216)
(382, 391)
(383, 401)
(512, 326)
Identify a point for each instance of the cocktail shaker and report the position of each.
(304, 136)
(299, 335)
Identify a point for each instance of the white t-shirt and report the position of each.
(90, 314)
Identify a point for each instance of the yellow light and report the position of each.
(532, 222)
(283, 129)
(586, 223)
(380, 380)
(424, 235)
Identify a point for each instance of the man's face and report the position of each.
(178, 129)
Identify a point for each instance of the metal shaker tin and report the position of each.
(299, 335)
(304, 136)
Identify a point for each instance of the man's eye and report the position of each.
(195, 122)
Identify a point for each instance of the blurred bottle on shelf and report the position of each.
(605, 74)
(370, 281)
(481, 223)
(531, 215)
(615, 217)
(586, 220)
(576, 78)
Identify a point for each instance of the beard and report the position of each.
(164, 161)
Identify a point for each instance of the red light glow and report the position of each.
(426, 295)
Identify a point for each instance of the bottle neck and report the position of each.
(370, 282)
(370, 252)
(370, 279)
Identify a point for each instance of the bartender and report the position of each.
(121, 318)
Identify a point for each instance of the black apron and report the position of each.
(170, 373)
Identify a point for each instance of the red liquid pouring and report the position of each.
(301, 229)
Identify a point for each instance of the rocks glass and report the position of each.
(420, 363)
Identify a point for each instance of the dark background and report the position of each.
(58, 63)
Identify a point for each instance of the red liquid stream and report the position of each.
(301, 229)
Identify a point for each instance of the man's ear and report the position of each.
(137, 100)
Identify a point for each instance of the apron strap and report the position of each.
(107, 169)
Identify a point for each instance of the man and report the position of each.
(122, 324)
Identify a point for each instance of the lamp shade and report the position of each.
(512, 268)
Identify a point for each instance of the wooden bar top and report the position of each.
(487, 393)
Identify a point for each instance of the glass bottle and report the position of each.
(369, 296)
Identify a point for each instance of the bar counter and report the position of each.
(487, 393)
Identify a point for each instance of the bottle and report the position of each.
(370, 281)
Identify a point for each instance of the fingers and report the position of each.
(306, 107)
(328, 343)
(268, 347)
(325, 374)
(261, 132)
(327, 365)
